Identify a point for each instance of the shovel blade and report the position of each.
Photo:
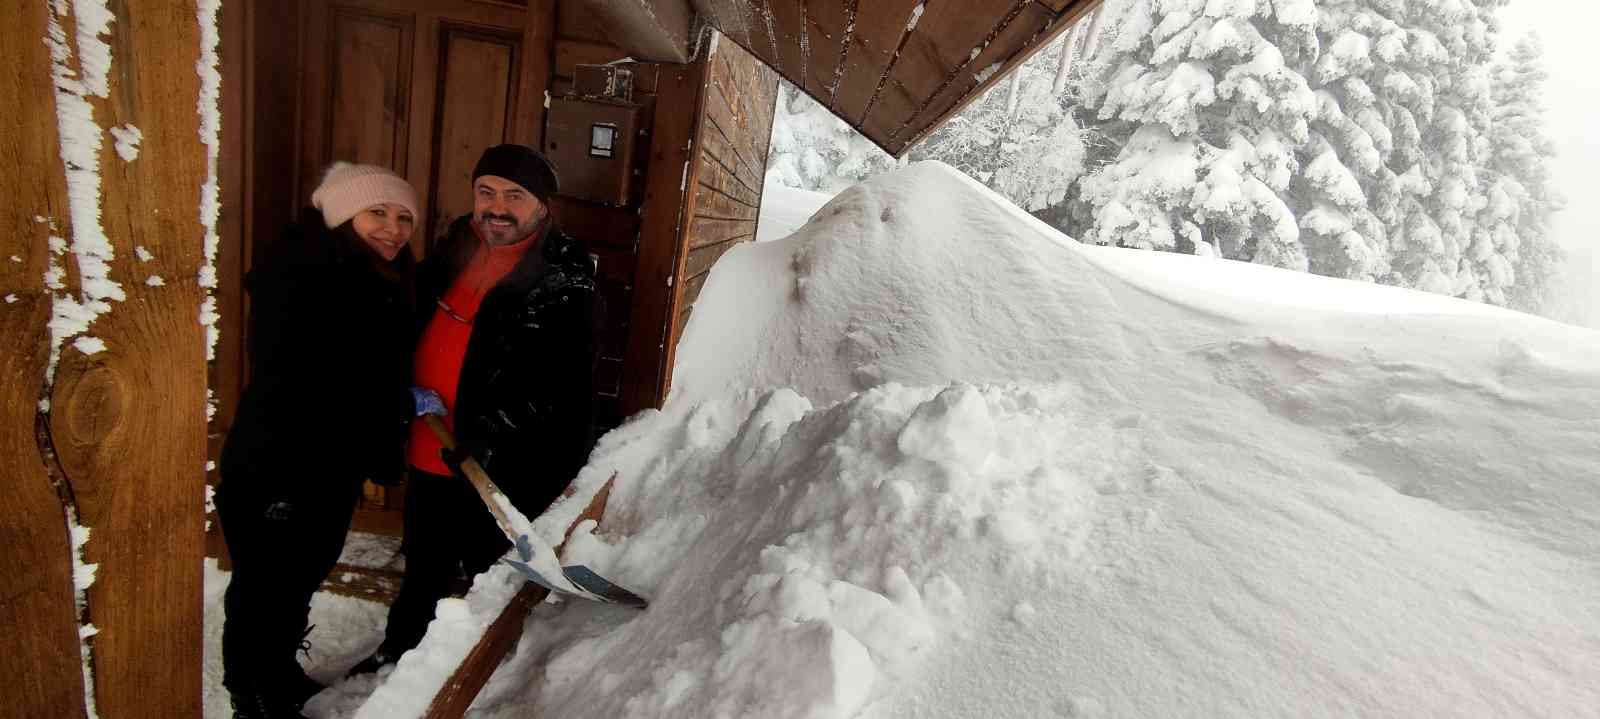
(586, 579)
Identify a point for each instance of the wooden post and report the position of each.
(680, 96)
(122, 445)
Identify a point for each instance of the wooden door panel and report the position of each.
(370, 87)
(478, 79)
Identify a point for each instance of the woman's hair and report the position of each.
(402, 269)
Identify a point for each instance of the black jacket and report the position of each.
(523, 406)
(331, 340)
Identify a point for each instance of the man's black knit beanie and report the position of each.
(521, 165)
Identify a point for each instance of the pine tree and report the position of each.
(1520, 199)
(1019, 138)
(812, 149)
(1204, 109)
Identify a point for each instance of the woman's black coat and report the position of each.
(331, 337)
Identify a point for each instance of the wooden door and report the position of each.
(421, 87)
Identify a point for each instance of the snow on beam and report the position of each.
(103, 456)
(654, 30)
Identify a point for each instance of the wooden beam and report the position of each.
(679, 99)
(39, 669)
(125, 432)
(652, 30)
(1069, 17)
(458, 692)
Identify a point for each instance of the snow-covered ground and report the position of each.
(926, 457)
(785, 209)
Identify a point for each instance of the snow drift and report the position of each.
(926, 457)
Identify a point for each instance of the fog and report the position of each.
(1572, 102)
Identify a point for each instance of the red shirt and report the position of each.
(444, 342)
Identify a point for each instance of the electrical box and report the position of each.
(594, 144)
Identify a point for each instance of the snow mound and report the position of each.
(926, 457)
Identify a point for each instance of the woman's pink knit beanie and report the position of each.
(347, 189)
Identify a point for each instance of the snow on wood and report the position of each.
(210, 111)
(78, 76)
(127, 142)
(82, 578)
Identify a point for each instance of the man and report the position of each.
(508, 343)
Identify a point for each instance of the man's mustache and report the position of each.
(485, 217)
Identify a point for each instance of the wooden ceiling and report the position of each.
(893, 69)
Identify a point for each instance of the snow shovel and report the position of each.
(539, 561)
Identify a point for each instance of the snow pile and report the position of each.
(785, 209)
(928, 458)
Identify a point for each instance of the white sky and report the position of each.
(1572, 102)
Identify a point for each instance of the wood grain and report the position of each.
(672, 148)
(125, 435)
(39, 674)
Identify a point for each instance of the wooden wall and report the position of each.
(122, 443)
(893, 69)
(730, 164)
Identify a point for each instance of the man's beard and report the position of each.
(516, 231)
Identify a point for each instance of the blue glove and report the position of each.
(427, 401)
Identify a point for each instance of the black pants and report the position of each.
(282, 546)
(449, 534)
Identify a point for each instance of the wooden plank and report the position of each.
(704, 231)
(538, 63)
(127, 424)
(730, 17)
(1060, 24)
(786, 18)
(671, 171)
(718, 144)
(743, 93)
(715, 204)
(39, 669)
(691, 289)
(456, 696)
(474, 109)
(942, 43)
(1021, 32)
(715, 176)
(880, 28)
(829, 26)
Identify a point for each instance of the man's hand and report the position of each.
(453, 458)
(427, 401)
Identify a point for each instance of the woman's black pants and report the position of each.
(283, 545)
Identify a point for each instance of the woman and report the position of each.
(327, 406)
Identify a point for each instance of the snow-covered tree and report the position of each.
(1020, 138)
(1520, 199)
(1201, 100)
(812, 149)
(1353, 138)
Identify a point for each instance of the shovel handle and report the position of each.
(474, 474)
